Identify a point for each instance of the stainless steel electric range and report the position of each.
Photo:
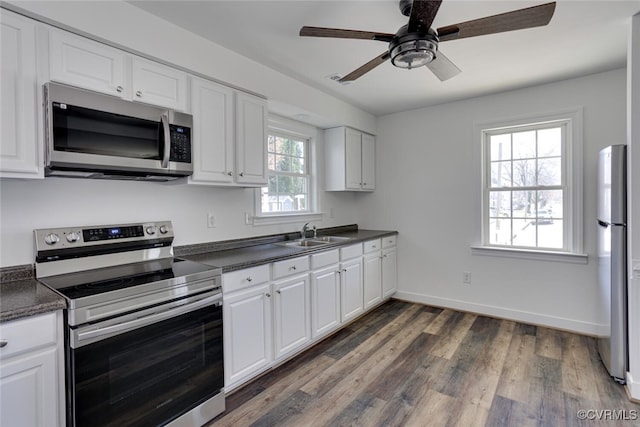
(144, 329)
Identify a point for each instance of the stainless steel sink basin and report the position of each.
(331, 239)
(307, 243)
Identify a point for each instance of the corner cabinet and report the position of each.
(20, 145)
(32, 371)
(230, 136)
(350, 160)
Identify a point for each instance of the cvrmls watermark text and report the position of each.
(608, 414)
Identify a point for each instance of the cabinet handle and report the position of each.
(293, 267)
(230, 173)
(268, 295)
(119, 89)
(278, 291)
(364, 183)
(339, 272)
(3, 343)
(241, 174)
(139, 94)
(344, 270)
(249, 279)
(373, 246)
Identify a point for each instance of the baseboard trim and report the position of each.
(633, 388)
(571, 325)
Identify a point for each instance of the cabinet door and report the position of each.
(372, 279)
(158, 84)
(251, 140)
(292, 314)
(351, 289)
(19, 146)
(353, 159)
(325, 301)
(29, 389)
(212, 107)
(248, 346)
(368, 162)
(84, 63)
(389, 271)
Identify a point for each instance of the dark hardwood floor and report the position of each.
(412, 365)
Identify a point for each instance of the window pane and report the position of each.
(524, 173)
(552, 201)
(500, 174)
(521, 200)
(500, 204)
(550, 171)
(550, 142)
(501, 147)
(550, 234)
(283, 164)
(524, 145)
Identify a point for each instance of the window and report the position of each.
(291, 192)
(531, 194)
(288, 189)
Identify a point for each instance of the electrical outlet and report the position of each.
(466, 278)
(211, 220)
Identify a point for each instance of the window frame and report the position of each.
(282, 126)
(572, 178)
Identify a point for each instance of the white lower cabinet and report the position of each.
(372, 270)
(31, 371)
(325, 300)
(351, 288)
(248, 343)
(389, 271)
(292, 314)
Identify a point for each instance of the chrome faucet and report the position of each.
(303, 231)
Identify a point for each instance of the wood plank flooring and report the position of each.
(407, 364)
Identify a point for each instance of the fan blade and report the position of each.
(443, 68)
(344, 34)
(535, 16)
(422, 14)
(365, 68)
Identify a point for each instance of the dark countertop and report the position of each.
(21, 295)
(27, 297)
(250, 256)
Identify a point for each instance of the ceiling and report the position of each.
(583, 37)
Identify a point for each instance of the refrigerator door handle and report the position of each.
(602, 223)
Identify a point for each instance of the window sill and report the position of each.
(283, 219)
(568, 257)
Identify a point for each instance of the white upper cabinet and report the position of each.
(251, 139)
(19, 142)
(213, 142)
(350, 160)
(84, 63)
(157, 84)
(87, 64)
(229, 134)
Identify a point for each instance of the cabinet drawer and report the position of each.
(389, 241)
(290, 266)
(242, 279)
(28, 333)
(350, 251)
(372, 245)
(324, 258)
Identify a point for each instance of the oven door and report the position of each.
(148, 370)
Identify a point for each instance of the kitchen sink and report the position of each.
(307, 243)
(331, 239)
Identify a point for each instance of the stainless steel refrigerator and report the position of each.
(612, 258)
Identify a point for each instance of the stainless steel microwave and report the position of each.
(90, 135)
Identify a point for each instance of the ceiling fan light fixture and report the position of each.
(413, 53)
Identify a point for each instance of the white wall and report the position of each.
(633, 191)
(427, 188)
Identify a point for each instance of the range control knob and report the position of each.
(164, 229)
(151, 230)
(73, 237)
(51, 239)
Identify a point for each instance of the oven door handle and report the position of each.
(80, 338)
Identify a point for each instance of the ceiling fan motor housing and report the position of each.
(413, 50)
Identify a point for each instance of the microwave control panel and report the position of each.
(180, 144)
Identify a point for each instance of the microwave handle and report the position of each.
(164, 119)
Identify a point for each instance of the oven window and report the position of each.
(83, 130)
(151, 375)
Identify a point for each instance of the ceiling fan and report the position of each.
(417, 44)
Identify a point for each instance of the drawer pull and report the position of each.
(249, 279)
(293, 267)
(3, 343)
